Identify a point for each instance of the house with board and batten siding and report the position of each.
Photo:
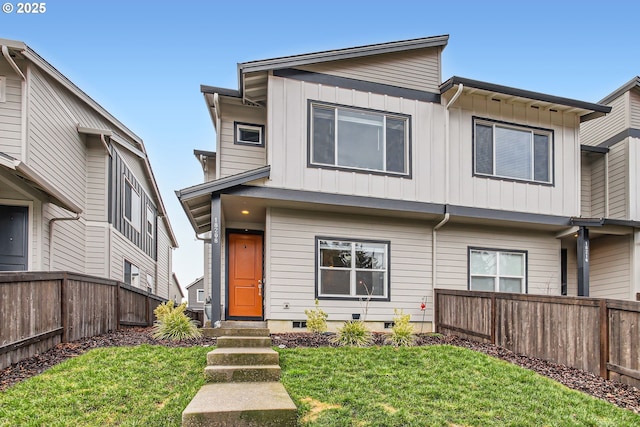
(359, 178)
(77, 192)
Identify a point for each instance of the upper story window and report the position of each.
(131, 205)
(352, 269)
(509, 151)
(150, 220)
(200, 295)
(248, 134)
(358, 139)
(131, 274)
(497, 270)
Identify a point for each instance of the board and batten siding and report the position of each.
(561, 198)
(610, 269)
(290, 248)
(11, 113)
(543, 255)
(596, 131)
(288, 136)
(417, 69)
(238, 158)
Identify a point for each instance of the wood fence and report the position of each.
(597, 335)
(40, 310)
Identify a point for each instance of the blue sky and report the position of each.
(144, 61)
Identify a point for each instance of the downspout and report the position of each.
(52, 222)
(216, 106)
(204, 239)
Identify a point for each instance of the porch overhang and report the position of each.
(196, 200)
(31, 178)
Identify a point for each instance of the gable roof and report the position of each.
(634, 83)
(199, 280)
(586, 110)
(21, 50)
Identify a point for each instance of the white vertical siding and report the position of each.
(599, 130)
(414, 69)
(237, 158)
(291, 243)
(561, 198)
(11, 113)
(543, 255)
(610, 269)
(618, 181)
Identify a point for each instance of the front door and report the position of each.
(13, 238)
(245, 275)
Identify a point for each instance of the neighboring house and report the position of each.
(77, 192)
(175, 290)
(611, 194)
(356, 174)
(195, 295)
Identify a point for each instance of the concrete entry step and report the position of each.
(235, 332)
(242, 324)
(241, 404)
(243, 356)
(226, 374)
(237, 341)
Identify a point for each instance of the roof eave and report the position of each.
(633, 83)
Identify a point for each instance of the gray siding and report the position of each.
(291, 241)
(236, 158)
(122, 250)
(598, 186)
(97, 184)
(97, 249)
(599, 130)
(634, 108)
(610, 272)
(192, 295)
(416, 69)
(164, 267)
(11, 113)
(585, 185)
(618, 181)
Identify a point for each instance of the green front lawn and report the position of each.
(378, 386)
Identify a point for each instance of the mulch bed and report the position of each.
(619, 394)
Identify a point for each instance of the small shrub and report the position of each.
(402, 330)
(316, 319)
(173, 324)
(353, 333)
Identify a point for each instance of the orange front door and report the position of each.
(245, 275)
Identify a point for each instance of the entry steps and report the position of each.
(243, 388)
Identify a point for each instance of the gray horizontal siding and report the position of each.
(11, 114)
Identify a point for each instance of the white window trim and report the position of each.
(135, 283)
(385, 115)
(353, 270)
(252, 127)
(498, 276)
(132, 221)
(150, 221)
(523, 128)
(199, 293)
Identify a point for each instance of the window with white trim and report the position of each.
(248, 134)
(503, 150)
(131, 205)
(497, 270)
(151, 287)
(200, 295)
(131, 274)
(359, 139)
(352, 269)
(151, 220)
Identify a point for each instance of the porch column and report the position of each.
(583, 261)
(216, 302)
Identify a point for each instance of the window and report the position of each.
(359, 139)
(352, 269)
(131, 274)
(248, 134)
(497, 270)
(523, 153)
(150, 220)
(150, 283)
(131, 205)
(200, 295)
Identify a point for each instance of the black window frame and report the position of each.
(516, 126)
(350, 297)
(407, 118)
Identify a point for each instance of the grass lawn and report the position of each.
(378, 386)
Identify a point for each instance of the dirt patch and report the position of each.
(317, 408)
(619, 394)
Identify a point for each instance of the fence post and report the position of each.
(146, 307)
(493, 318)
(604, 339)
(64, 308)
(436, 310)
(117, 303)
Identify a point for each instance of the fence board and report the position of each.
(596, 335)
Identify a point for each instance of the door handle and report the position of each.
(260, 288)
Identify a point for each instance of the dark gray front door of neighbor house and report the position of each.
(13, 238)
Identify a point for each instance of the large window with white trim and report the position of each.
(497, 270)
(361, 139)
(504, 150)
(352, 268)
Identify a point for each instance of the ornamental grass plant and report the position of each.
(353, 333)
(173, 324)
